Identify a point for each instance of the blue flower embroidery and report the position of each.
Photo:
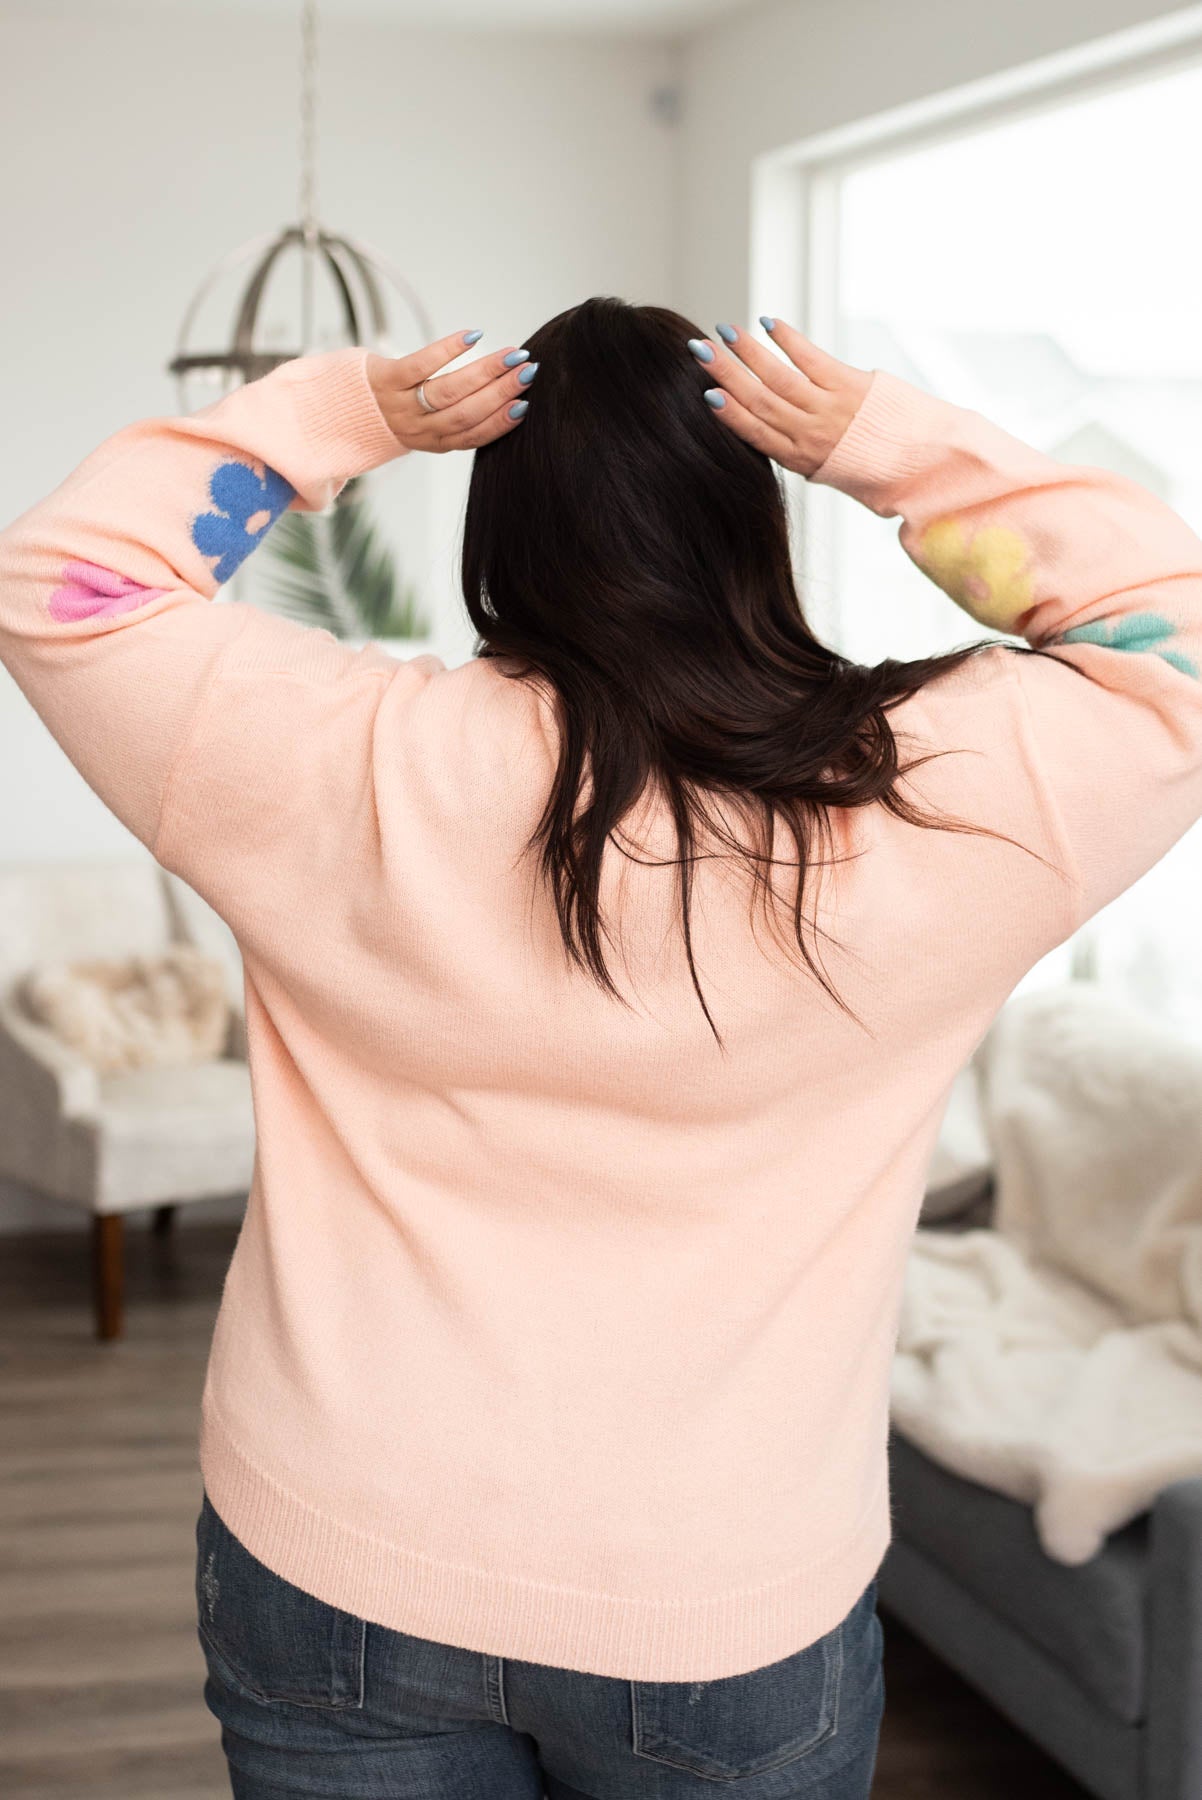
(1135, 631)
(246, 506)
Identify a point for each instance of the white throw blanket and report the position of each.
(1058, 1357)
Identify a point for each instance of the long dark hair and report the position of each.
(629, 550)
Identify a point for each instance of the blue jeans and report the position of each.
(312, 1700)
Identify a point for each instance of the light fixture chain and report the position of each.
(353, 274)
(308, 121)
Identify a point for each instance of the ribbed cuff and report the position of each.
(338, 412)
(887, 440)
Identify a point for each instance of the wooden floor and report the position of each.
(100, 1672)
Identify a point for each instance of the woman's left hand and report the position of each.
(794, 411)
(474, 404)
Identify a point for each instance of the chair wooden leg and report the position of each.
(164, 1219)
(108, 1269)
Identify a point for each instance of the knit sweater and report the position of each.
(554, 1330)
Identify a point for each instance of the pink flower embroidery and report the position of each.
(90, 592)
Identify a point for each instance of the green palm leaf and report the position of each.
(333, 569)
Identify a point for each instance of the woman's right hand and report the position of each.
(471, 406)
(793, 411)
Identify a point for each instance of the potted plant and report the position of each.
(333, 569)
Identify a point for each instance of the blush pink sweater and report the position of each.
(552, 1331)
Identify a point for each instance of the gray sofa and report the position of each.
(1100, 1664)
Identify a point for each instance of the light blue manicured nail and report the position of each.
(472, 337)
(526, 375)
(727, 333)
(715, 397)
(514, 358)
(767, 323)
(519, 409)
(701, 350)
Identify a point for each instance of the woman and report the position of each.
(603, 997)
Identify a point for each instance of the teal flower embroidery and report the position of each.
(1134, 631)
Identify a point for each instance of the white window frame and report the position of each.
(795, 190)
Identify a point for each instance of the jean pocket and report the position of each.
(270, 1639)
(742, 1725)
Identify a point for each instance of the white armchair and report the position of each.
(114, 1143)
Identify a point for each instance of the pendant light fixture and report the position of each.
(340, 278)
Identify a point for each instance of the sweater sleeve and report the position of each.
(106, 586)
(1098, 575)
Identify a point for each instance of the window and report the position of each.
(1045, 270)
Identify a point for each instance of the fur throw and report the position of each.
(1058, 1357)
(135, 1011)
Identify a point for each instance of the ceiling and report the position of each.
(651, 18)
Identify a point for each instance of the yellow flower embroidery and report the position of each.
(986, 574)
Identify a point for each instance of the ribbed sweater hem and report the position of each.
(678, 1639)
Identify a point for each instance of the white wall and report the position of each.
(762, 79)
(508, 177)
